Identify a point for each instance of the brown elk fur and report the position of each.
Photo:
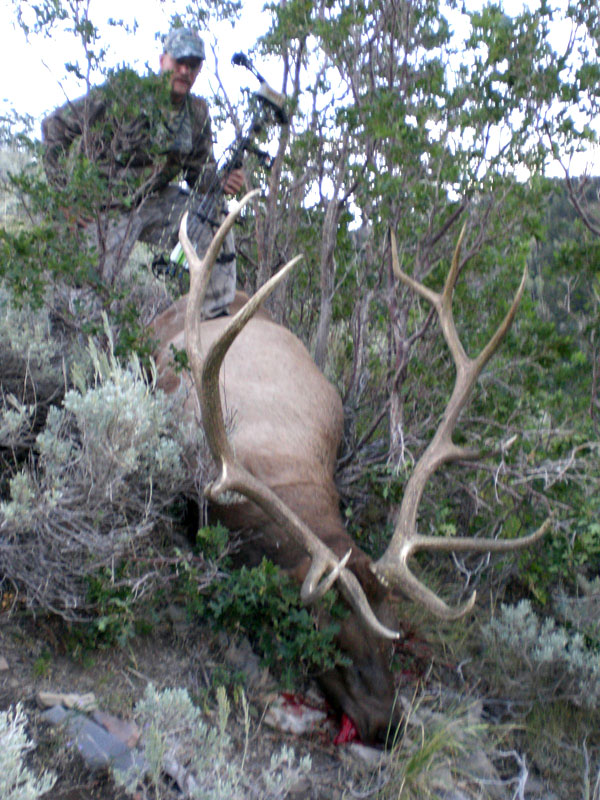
(286, 430)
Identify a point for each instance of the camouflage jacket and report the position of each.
(134, 138)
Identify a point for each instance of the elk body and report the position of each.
(286, 428)
(280, 456)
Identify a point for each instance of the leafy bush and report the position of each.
(201, 758)
(540, 659)
(17, 782)
(110, 463)
(264, 604)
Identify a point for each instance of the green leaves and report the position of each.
(264, 604)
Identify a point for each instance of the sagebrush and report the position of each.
(540, 659)
(17, 781)
(99, 487)
(201, 758)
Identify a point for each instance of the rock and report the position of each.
(240, 656)
(368, 755)
(537, 790)
(3, 664)
(55, 715)
(480, 768)
(133, 761)
(184, 779)
(127, 732)
(179, 620)
(289, 714)
(81, 702)
(300, 790)
(97, 746)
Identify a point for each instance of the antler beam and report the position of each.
(233, 475)
(392, 568)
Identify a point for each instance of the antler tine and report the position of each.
(452, 276)
(392, 567)
(491, 347)
(403, 578)
(200, 270)
(203, 267)
(233, 476)
(417, 287)
(312, 590)
(468, 544)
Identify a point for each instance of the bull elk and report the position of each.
(280, 461)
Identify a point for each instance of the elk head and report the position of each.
(365, 689)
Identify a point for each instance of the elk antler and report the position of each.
(233, 475)
(392, 567)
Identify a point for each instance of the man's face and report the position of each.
(182, 73)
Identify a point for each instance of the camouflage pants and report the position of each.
(156, 222)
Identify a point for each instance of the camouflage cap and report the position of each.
(184, 43)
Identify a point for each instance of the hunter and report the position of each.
(119, 155)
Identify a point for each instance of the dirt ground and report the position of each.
(39, 655)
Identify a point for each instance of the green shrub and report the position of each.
(264, 604)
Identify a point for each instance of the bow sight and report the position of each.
(270, 105)
(265, 92)
(269, 108)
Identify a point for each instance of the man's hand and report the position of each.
(234, 182)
